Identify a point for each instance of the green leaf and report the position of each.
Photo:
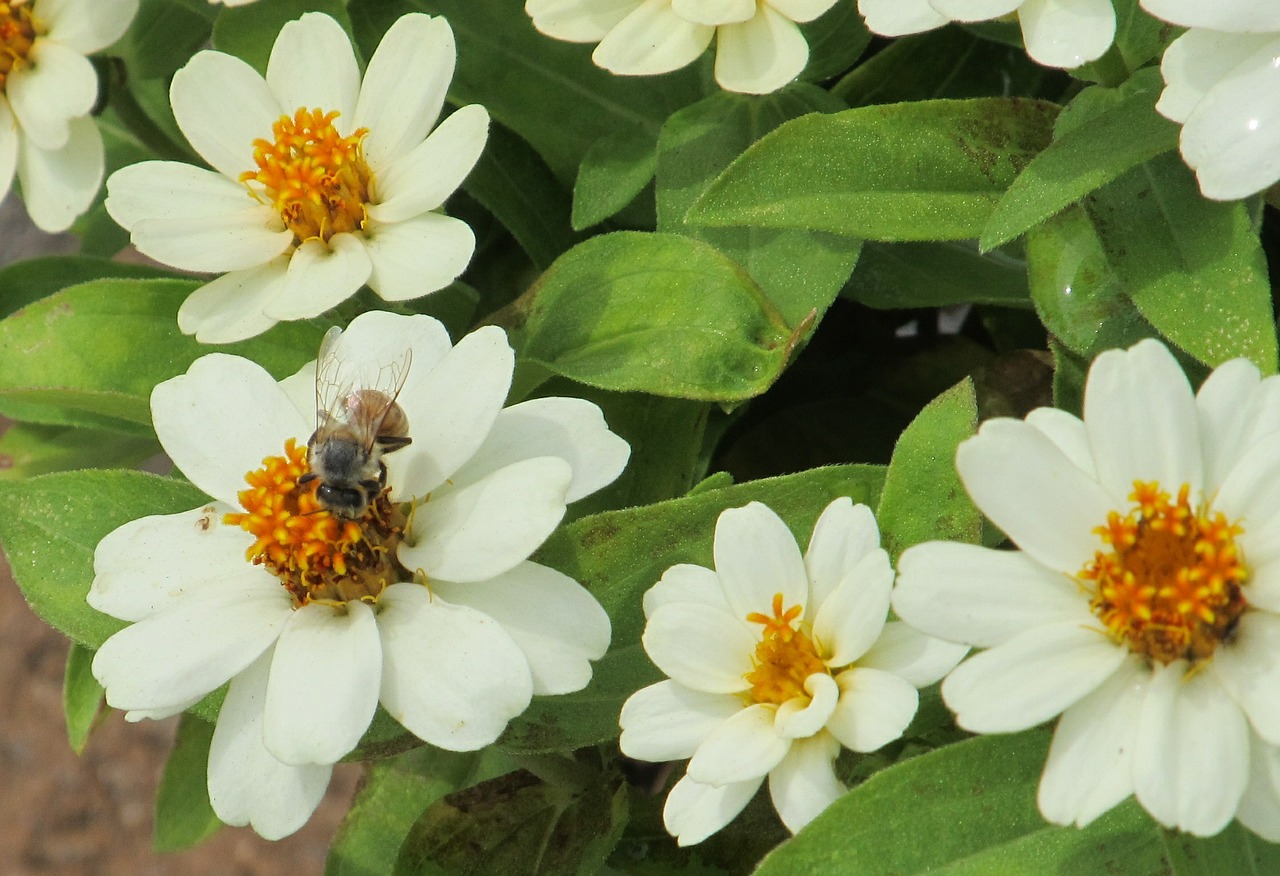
(514, 184)
(615, 169)
(1236, 851)
(50, 526)
(163, 36)
(1091, 154)
(656, 313)
(906, 275)
(249, 32)
(184, 815)
(932, 170)
(516, 825)
(1193, 267)
(801, 271)
(81, 696)
(1139, 38)
(618, 555)
(91, 354)
(836, 39)
(26, 282)
(923, 498)
(27, 450)
(392, 796)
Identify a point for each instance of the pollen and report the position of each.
(1169, 583)
(316, 178)
(784, 658)
(317, 556)
(18, 32)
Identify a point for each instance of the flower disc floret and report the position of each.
(315, 177)
(317, 556)
(784, 657)
(18, 32)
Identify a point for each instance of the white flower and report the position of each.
(322, 183)
(47, 89)
(759, 48)
(1142, 604)
(1057, 33)
(775, 660)
(477, 490)
(1222, 86)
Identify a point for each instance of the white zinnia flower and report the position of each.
(1057, 33)
(47, 89)
(1142, 604)
(322, 183)
(775, 661)
(427, 604)
(759, 48)
(1221, 86)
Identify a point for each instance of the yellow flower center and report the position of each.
(1169, 582)
(317, 556)
(18, 32)
(316, 178)
(784, 658)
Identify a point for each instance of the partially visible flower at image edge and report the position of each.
(1221, 85)
(1057, 33)
(775, 660)
(48, 87)
(759, 47)
(426, 604)
(1143, 603)
(322, 182)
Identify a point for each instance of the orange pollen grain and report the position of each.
(316, 178)
(18, 32)
(784, 658)
(1169, 582)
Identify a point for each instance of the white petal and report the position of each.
(1260, 806)
(8, 147)
(1247, 667)
(222, 105)
(652, 39)
(1068, 433)
(851, 618)
(213, 450)
(229, 308)
(404, 87)
(1090, 762)
(147, 564)
(312, 66)
(321, 276)
(87, 27)
(921, 660)
(59, 185)
(1191, 760)
(1067, 33)
(1197, 61)
(1236, 410)
(875, 708)
(450, 674)
(246, 784)
(421, 180)
(757, 558)
(971, 594)
(843, 535)
(570, 428)
(1242, 16)
(975, 10)
(54, 87)
(1250, 495)
(557, 624)
(802, 717)
(174, 190)
(900, 17)
(760, 55)
(740, 749)
(322, 692)
(714, 12)
(1042, 500)
(695, 811)
(668, 721)
(802, 10)
(417, 256)
(578, 21)
(702, 647)
(1031, 678)
(191, 648)
(685, 582)
(805, 783)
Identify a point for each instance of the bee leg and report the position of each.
(391, 443)
(306, 478)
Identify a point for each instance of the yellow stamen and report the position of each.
(784, 658)
(1169, 583)
(18, 32)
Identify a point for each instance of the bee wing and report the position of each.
(353, 392)
(331, 387)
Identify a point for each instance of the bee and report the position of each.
(357, 422)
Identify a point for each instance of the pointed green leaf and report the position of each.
(81, 696)
(906, 275)
(184, 815)
(614, 171)
(27, 450)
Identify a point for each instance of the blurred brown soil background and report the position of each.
(91, 815)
